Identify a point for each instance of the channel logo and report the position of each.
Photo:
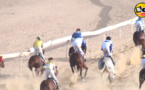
(140, 9)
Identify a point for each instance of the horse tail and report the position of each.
(102, 70)
(30, 65)
(141, 77)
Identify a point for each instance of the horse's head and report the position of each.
(2, 64)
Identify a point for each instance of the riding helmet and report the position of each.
(108, 38)
(78, 29)
(38, 38)
(50, 58)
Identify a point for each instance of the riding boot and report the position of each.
(58, 87)
(112, 60)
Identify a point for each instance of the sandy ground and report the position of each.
(21, 21)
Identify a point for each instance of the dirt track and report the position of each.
(21, 21)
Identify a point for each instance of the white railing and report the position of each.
(65, 39)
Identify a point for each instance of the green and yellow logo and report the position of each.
(140, 9)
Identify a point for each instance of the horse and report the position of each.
(49, 84)
(105, 64)
(36, 62)
(76, 59)
(141, 77)
(138, 38)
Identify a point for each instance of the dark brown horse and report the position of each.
(139, 38)
(141, 77)
(36, 62)
(76, 59)
(49, 84)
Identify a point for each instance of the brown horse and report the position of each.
(49, 84)
(141, 77)
(76, 59)
(36, 62)
(139, 38)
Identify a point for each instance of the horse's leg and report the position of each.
(141, 80)
(81, 73)
(86, 70)
(102, 76)
(72, 68)
(42, 71)
(37, 72)
(109, 78)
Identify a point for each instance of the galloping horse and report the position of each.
(49, 84)
(76, 59)
(138, 38)
(36, 62)
(106, 64)
(141, 77)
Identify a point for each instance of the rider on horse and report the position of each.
(139, 24)
(38, 45)
(50, 70)
(78, 42)
(107, 48)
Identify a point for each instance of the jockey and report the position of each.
(143, 61)
(38, 45)
(50, 70)
(107, 48)
(78, 42)
(139, 24)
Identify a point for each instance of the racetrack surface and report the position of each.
(21, 21)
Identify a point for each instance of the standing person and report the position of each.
(139, 24)
(50, 70)
(78, 41)
(38, 45)
(107, 48)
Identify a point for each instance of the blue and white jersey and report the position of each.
(77, 34)
(107, 44)
(84, 44)
(139, 25)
